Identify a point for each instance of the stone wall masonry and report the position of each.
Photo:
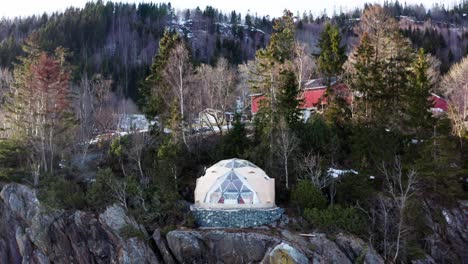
(240, 218)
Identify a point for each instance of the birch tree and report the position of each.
(179, 74)
(287, 142)
(401, 187)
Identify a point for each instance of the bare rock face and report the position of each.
(215, 246)
(30, 233)
(356, 249)
(449, 239)
(253, 246)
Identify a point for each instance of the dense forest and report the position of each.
(66, 79)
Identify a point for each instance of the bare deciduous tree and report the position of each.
(287, 142)
(303, 64)
(312, 171)
(455, 85)
(139, 141)
(400, 188)
(218, 84)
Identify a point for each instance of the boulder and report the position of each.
(285, 253)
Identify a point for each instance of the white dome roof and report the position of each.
(234, 183)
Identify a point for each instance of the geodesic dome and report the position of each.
(233, 184)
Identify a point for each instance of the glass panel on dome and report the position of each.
(223, 185)
(238, 184)
(231, 188)
(232, 191)
(247, 197)
(236, 164)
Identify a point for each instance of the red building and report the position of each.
(313, 96)
(440, 104)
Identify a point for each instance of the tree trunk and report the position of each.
(286, 171)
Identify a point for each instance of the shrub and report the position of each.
(60, 193)
(353, 188)
(335, 219)
(12, 160)
(98, 195)
(306, 195)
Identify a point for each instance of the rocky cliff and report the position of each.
(31, 233)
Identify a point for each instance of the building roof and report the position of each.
(439, 102)
(320, 83)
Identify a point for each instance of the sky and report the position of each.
(12, 8)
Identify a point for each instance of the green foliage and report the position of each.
(335, 219)
(315, 135)
(60, 193)
(420, 120)
(98, 194)
(163, 207)
(12, 160)
(332, 55)
(282, 41)
(155, 85)
(235, 142)
(305, 195)
(371, 145)
(353, 188)
(288, 102)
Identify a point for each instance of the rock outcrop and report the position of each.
(29, 233)
(448, 241)
(255, 246)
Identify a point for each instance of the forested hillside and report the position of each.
(119, 40)
(370, 168)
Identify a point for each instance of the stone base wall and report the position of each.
(240, 218)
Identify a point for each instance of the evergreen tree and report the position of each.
(155, 86)
(288, 102)
(235, 142)
(332, 55)
(365, 77)
(419, 116)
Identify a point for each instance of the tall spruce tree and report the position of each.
(332, 54)
(288, 102)
(155, 86)
(418, 103)
(365, 77)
